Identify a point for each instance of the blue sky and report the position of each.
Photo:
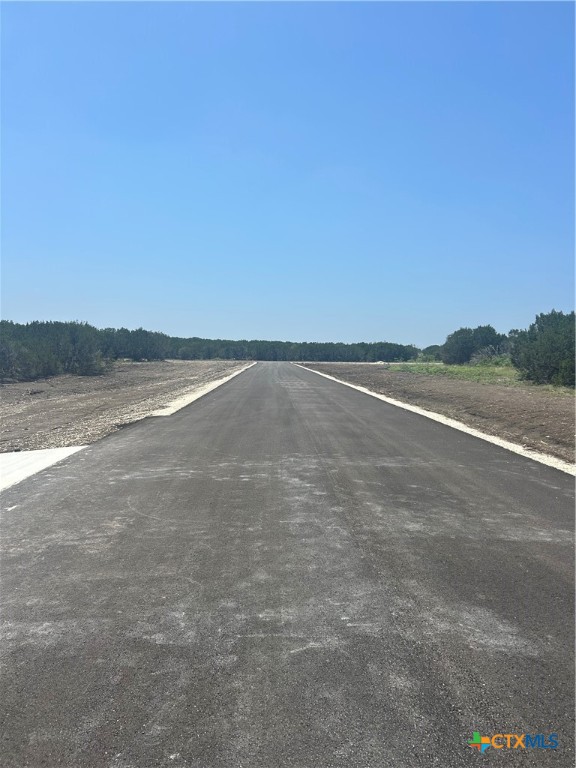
(302, 171)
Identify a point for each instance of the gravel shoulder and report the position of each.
(531, 416)
(64, 411)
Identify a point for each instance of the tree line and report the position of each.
(543, 353)
(40, 349)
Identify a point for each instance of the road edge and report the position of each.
(541, 458)
(184, 400)
(7, 460)
(16, 466)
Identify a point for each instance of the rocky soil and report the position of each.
(70, 410)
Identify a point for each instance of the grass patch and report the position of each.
(505, 375)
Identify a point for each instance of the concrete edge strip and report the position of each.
(184, 400)
(16, 466)
(542, 458)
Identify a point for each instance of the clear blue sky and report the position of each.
(302, 171)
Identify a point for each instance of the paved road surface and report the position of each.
(286, 573)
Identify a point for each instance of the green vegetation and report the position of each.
(484, 373)
(44, 349)
(41, 349)
(362, 352)
(432, 353)
(463, 344)
(543, 354)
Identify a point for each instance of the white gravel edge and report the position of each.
(542, 458)
(18, 465)
(184, 400)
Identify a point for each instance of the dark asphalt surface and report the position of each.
(287, 573)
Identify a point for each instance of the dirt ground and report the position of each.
(534, 417)
(64, 411)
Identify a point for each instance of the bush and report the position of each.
(461, 345)
(488, 357)
(431, 354)
(544, 353)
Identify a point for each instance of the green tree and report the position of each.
(465, 342)
(485, 336)
(458, 347)
(432, 353)
(544, 353)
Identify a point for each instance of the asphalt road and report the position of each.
(287, 573)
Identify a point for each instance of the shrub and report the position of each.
(461, 345)
(544, 353)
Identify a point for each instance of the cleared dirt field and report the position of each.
(537, 418)
(70, 410)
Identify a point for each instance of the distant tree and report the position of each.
(544, 353)
(432, 353)
(10, 361)
(40, 349)
(458, 347)
(485, 336)
(461, 345)
(83, 346)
